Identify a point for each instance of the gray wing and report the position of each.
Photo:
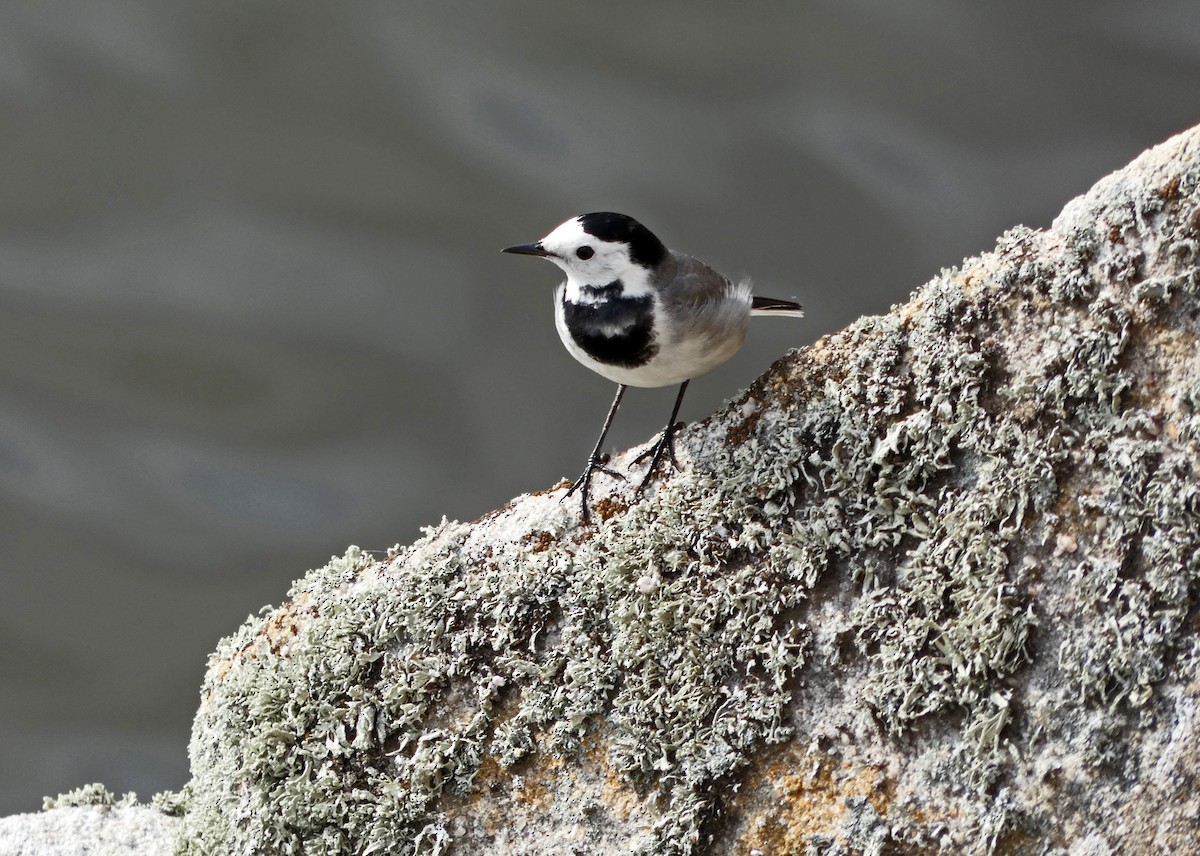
(699, 298)
(690, 284)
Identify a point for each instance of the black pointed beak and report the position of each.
(534, 249)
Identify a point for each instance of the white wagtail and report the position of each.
(642, 315)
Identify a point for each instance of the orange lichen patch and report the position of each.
(545, 790)
(616, 792)
(485, 801)
(607, 508)
(488, 774)
(826, 348)
(797, 797)
(284, 625)
(776, 383)
(539, 540)
(1170, 191)
(533, 794)
(561, 484)
(277, 633)
(530, 790)
(1159, 353)
(498, 794)
(972, 284)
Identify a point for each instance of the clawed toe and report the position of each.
(662, 450)
(584, 483)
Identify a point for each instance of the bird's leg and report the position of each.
(665, 444)
(595, 460)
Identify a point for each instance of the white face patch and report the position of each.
(608, 262)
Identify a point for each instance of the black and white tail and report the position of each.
(772, 306)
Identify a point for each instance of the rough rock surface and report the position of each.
(91, 822)
(928, 586)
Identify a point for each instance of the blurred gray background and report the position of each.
(253, 309)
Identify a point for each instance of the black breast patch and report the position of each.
(609, 291)
(631, 317)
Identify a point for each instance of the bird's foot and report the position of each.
(583, 484)
(664, 448)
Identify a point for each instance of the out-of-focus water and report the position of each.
(252, 307)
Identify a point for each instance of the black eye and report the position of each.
(585, 252)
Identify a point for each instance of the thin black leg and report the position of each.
(665, 444)
(595, 460)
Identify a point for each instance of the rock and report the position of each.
(90, 822)
(928, 586)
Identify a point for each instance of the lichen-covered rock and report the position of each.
(929, 585)
(91, 821)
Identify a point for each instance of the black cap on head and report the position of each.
(644, 247)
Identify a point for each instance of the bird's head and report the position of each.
(600, 248)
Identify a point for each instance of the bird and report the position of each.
(640, 314)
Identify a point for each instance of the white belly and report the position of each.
(682, 353)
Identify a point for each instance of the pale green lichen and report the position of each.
(918, 472)
(94, 794)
